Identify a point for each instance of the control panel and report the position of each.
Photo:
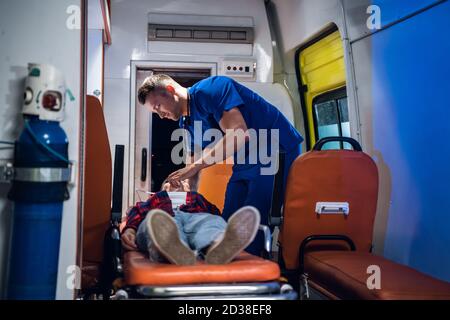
(239, 68)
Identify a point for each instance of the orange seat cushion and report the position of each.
(344, 274)
(213, 183)
(245, 268)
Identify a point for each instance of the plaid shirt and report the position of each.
(195, 203)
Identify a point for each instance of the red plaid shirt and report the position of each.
(195, 203)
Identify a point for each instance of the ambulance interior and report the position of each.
(365, 211)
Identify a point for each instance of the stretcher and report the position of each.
(109, 274)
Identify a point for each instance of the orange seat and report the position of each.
(343, 274)
(331, 175)
(309, 233)
(97, 191)
(138, 270)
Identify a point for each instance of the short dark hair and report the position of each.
(152, 83)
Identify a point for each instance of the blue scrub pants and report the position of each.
(255, 190)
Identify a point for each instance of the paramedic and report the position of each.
(219, 102)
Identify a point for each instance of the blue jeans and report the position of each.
(196, 230)
(254, 189)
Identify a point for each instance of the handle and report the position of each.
(338, 237)
(355, 144)
(116, 210)
(333, 208)
(144, 165)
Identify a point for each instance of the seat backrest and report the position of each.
(97, 182)
(213, 183)
(329, 176)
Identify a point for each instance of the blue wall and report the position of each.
(411, 123)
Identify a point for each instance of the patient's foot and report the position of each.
(241, 230)
(164, 234)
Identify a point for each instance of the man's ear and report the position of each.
(170, 88)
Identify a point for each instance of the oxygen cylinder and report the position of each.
(39, 188)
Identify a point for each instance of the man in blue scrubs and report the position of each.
(219, 102)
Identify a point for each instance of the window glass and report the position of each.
(327, 122)
(331, 118)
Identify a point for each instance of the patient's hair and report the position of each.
(150, 84)
(162, 184)
(166, 181)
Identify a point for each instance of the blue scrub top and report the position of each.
(210, 97)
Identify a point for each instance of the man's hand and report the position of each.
(187, 172)
(230, 122)
(129, 239)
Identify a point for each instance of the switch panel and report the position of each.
(238, 68)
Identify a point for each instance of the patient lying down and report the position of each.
(178, 225)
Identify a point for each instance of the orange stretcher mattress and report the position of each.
(245, 268)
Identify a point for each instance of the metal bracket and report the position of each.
(6, 173)
(73, 174)
(42, 174)
(305, 292)
(267, 238)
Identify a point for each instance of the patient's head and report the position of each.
(184, 186)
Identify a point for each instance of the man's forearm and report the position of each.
(193, 182)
